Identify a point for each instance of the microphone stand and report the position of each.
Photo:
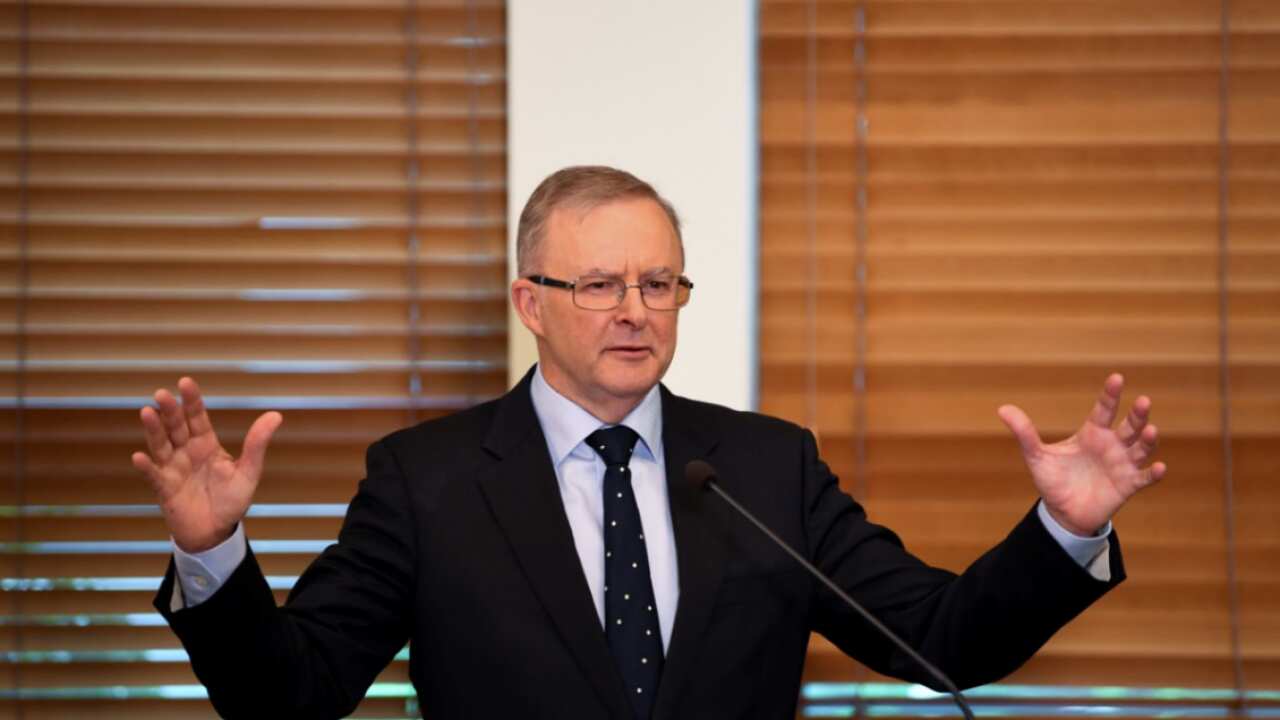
(943, 680)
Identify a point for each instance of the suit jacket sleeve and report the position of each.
(976, 627)
(343, 622)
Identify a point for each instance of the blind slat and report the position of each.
(1041, 208)
(228, 190)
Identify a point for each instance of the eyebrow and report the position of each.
(649, 272)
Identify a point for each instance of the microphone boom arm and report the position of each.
(937, 674)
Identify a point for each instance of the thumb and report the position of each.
(1021, 427)
(256, 441)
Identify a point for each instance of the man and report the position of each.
(545, 558)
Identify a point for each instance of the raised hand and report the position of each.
(1087, 477)
(203, 492)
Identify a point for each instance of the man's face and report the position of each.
(605, 359)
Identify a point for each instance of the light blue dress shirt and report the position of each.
(580, 474)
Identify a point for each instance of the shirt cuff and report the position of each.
(1084, 550)
(201, 574)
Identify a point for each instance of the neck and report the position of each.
(607, 409)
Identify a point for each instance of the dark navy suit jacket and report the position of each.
(457, 542)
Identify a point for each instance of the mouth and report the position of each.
(628, 352)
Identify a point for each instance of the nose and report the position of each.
(632, 309)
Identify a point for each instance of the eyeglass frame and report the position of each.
(572, 287)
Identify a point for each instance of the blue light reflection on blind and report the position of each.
(819, 699)
(892, 700)
(149, 655)
(257, 402)
(110, 584)
(84, 620)
(148, 547)
(269, 510)
(881, 699)
(164, 692)
(825, 691)
(1019, 711)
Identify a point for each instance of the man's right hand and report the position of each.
(203, 492)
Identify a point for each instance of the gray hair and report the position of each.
(581, 187)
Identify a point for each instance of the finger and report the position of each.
(144, 465)
(154, 432)
(1146, 446)
(1021, 427)
(1158, 471)
(1104, 410)
(175, 424)
(193, 407)
(1134, 422)
(155, 476)
(255, 442)
(1152, 475)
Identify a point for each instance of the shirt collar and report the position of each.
(566, 424)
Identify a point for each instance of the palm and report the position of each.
(202, 481)
(1086, 478)
(202, 490)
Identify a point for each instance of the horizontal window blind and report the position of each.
(1252, 224)
(1042, 206)
(299, 203)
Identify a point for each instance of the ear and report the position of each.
(524, 298)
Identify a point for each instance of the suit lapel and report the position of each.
(699, 552)
(525, 500)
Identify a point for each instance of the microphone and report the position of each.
(703, 476)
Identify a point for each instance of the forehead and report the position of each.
(632, 234)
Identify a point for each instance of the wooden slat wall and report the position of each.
(1042, 186)
(1253, 222)
(167, 144)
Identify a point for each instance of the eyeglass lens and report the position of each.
(663, 292)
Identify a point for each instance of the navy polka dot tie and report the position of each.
(630, 613)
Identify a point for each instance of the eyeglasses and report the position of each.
(605, 292)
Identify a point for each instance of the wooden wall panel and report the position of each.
(273, 199)
(1042, 207)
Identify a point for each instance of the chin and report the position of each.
(630, 381)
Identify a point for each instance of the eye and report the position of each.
(658, 285)
(597, 286)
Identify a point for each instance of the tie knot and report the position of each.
(614, 444)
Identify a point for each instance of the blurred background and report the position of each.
(900, 214)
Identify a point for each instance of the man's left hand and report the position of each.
(1087, 477)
